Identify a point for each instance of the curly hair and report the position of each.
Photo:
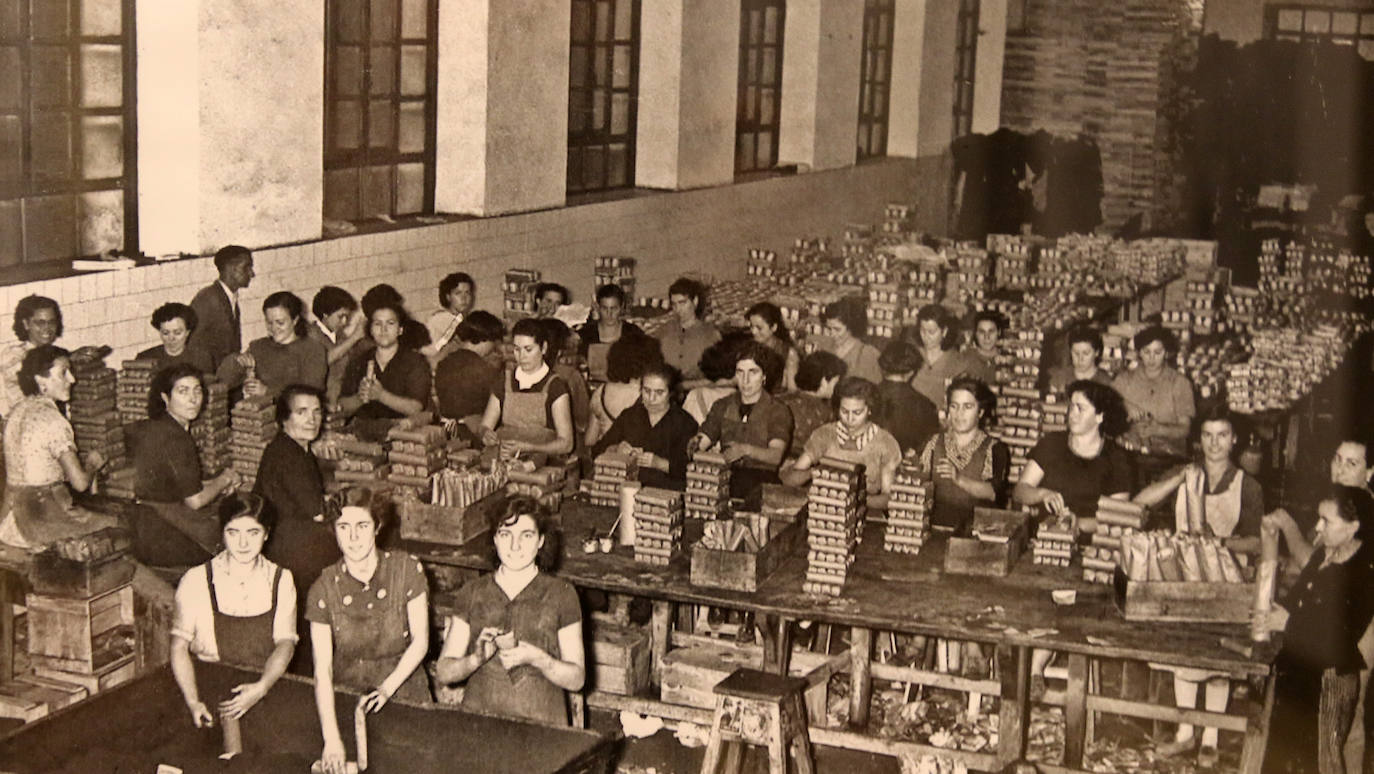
(171, 311)
(377, 501)
(38, 362)
(26, 308)
(1105, 401)
(982, 394)
(163, 383)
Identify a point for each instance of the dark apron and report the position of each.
(244, 641)
(45, 513)
(173, 535)
(953, 506)
(598, 356)
(369, 643)
(524, 691)
(747, 479)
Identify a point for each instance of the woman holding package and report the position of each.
(752, 427)
(968, 465)
(531, 411)
(655, 430)
(388, 382)
(369, 619)
(286, 355)
(516, 634)
(854, 437)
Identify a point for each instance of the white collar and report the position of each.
(328, 334)
(232, 294)
(527, 381)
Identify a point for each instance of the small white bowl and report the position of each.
(1064, 596)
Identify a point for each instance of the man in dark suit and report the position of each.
(217, 304)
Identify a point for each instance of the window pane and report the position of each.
(1290, 19)
(744, 152)
(383, 20)
(1344, 22)
(50, 225)
(581, 21)
(414, 18)
(102, 222)
(622, 67)
(49, 19)
(379, 118)
(1366, 49)
(376, 193)
(50, 147)
(11, 233)
(1317, 21)
(756, 26)
(577, 66)
(604, 29)
(751, 98)
(410, 188)
(102, 76)
(10, 78)
(772, 22)
(575, 169)
(51, 77)
(878, 102)
(348, 71)
(620, 113)
(751, 68)
(9, 28)
(766, 115)
(11, 150)
(863, 140)
(349, 23)
(623, 17)
(594, 168)
(617, 166)
(579, 110)
(598, 110)
(348, 123)
(884, 23)
(881, 70)
(412, 128)
(765, 151)
(601, 66)
(413, 71)
(769, 72)
(100, 17)
(341, 194)
(102, 150)
(383, 64)
(1367, 23)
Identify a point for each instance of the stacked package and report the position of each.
(1192, 558)
(415, 455)
(899, 219)
(762, 263)
(1116, 519)
(1012, 269)
(360, 462)
(254, 425)
(887, 308)
(546, 484)
(135, 382)
(907, 524)
(658, 525)
(968, 282)
(1202, 298)
(1018, 396)
(1054, 541)
(611, 469)
(93, 410)
(461, 488)
(1054, 415)
(616, 270)
(708, 486)
(811, 250)
(1286, 365)
(210, 429)
(835, 513)
(519, 294)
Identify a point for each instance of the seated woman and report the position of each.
(466, 379)
(338, 328)
(175, 533)
(37, 321)
(563, 357)
(1085, 351)
(752, 428)
(845, 322)
(531, 409)
(1316, 683)
(174, 324)
(388, 382)
(41, 459)
(987, 327)
(969, 466)
(717, 369)
(1211, 497)
(687, 335)
(456, 294)
(1159, 400)
(516, 634)
(598, 335)
(548, 297)
(767, 328)
(934, 336)
(624, 367)
(854, 438)
(655, 430)
(286, 355)
(812, 405)
(907, 414)
(369, 619)
(238, 608)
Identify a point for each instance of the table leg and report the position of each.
(6, 628)
(1013, 668)
(659, 636)
(1257, 732)
(1076, 711)
(860, 676)
(777, 643)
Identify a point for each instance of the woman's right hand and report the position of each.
(332, 757)
(245, 360)
(200, 714)
(486, 642)
(252, 388)
(490, 438)
(229, 480)
(702, 442)
(1053, 501)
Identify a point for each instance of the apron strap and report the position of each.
(210, 581)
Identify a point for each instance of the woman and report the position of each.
(466, 379)
(969, 466)
(563, 358)
(238, 608)
(1213, 497)
(286, 355)
(624, 367)
(854, 438)
(655, 430)
(766, 326)
(548, 298)
(902, 410)
(751, 426)
(687, 335)
(41, 459)
(37, 322)
(389, 381)
(934, 336)
(812, 405)
(598, 336)
(987, 328)
(531, 409)
(369, 619)
(456, 292)
(527, 650)
(1085, 351)
(717, 369)
(173, 532)
(174, 324)
(844, 322)
(1159, 400)
(338, 328)
(1316, 684)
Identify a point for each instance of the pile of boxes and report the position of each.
(610, 469)
(708, 486)
(658, 525)
(360, 462)
(1018, 395)
(907, 524)
(211, 431)
(762, 263)
(1116, 519)
(616, 270)
(1054, 542)
(835, 513)
(415, 455)
(254, 425)
(545, 485)
(899, 219)
(134, 383)
(518, 292)
(1012, 266)
(93, 410)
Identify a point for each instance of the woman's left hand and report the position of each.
(1275, 619)
(254, 387)
(734, 452)
(246, 697)
(374, 701)
(521, 653)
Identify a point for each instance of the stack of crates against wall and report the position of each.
(518, 291)
(834, 518)
(1012, 261)
(546, 485)
(658, 525)
(1115, 520)
(967, 284)
(133, 385)
(926, 284)
(1270, 261)
(817, 301)
(1018, 395)
(1149, 261)
(762, 263)
(1114, 347)
(610, 470)
(616, 270)
(708, 486)
(1337, 275)
(907, 524)
(899, 218)
(811, 250)
(210, 429)
(414, 456)
(254, 425)
(94, 412)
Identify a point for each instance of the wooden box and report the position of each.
(620, 658)
(744, 570)
(81, 635)
(29, 697)
(690, 673)
(60, 577)
(972, 556)
(447, 524)
(117, 673)
(1183, 601)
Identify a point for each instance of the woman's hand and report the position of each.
(245, 360)
(252, 388)
(228, 481)
(374, 701)
(650, 460)
(1054, 502)
(200, 714)
(734, 452)
(521, 653)
(95, 461)
(367, 389)
(945, 469)
(702, 442)
(332, 757)
(490, 438)
(486, 643)
(1275, 619)
(625, 447)
(246, 697)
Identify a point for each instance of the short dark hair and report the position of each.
(940, 316)
(285, 299)
(683, 286)
(1359, 439)
(899, 357)
(396, 308)
(522, 505)
(229, 255)
(26, 308)
(610, 290)
(1157, 333)
(38, 362)
(993, 316)
(662, 370)
(629, 356)
(816, 368)
(533, 328)
(163, 382)
(982, 394)
(377, 501)
(771, 315)
(171, 311)
(291, 391)
(240, 504)
(1086, 335)
(330, 299)
(381, 294)
(768, 361)
(857, 387)
(1106, 401)
(718, 360)
(544, 287)
(1354, 504)
(479, 326)
(450, 282)
(851, 314)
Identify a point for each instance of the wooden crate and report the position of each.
(29, 697)
(620, 658)
(116, 673)
(690, 674)
(971, 556)
(743, 570)
(81, 635)
(56, 576)
(448, 524)
(1183, 601)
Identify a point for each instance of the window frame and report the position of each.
(874, 12)
(589, 138)
(754, 127)
(965, 58)
(1361, 39)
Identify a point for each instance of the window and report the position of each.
(965, 60)
(760, 84)
(379, 71)
(1018, 17)
(603, 89)
(66, 129)
(1331, 25)
(875, 78)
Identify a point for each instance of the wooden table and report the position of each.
(896, 592)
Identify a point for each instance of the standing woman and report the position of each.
(238, 608)
(286, 355)
(531, 409)
(369, 619)
(41, 459)
(686, 336)
(1159, 400)
(968, 465)
(37, 321)
(935, 336)
(765, 324)
(607, 329)
(844, 323)
(174, 324)
(388, 382)
(516, 634)
(655, 430)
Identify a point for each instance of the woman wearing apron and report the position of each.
(369, 619)
(969, 466)
(1212, 498)
(516, 635)
(531, 411)
(607, 329)
(238, 608)
(751, 426)
(854, 438)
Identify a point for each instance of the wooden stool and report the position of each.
(760, 708)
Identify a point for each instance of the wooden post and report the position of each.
(6, 627)
(1257, 731)
(860, 676)
(1013, 667)
(777, 643)
(659, 636)
(1076, 711)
